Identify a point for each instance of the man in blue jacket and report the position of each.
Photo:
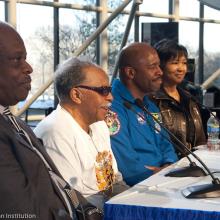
(137, 140)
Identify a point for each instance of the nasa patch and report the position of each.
(113, 123)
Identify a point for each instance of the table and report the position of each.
(160, 197)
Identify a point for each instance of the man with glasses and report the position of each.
(137, 139)
(75, 135)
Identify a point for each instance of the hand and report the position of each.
(154, 169)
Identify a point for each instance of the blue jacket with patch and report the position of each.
(134, 141)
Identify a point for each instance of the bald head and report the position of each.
(6, 30)
(133, 54)
(139, 67)
(5, 25)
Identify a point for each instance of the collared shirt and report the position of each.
(1, 109)
(135, 142)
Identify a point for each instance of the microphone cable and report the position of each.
(140, 104)
(195, 170)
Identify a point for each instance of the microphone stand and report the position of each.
(192, 170)
(200, 191)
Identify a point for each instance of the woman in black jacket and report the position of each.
(180, 113)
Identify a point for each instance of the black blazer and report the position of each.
(25, 185)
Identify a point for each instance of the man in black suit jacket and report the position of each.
(26, 187)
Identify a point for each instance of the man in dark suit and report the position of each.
(28, 185)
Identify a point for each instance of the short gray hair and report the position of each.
(69, 75)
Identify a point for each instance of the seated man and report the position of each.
(74, 134)
(28, 176)
(137, 141)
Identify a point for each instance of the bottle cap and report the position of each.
(214, 113)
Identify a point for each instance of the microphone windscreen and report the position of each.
(139, 103)
(127, 105)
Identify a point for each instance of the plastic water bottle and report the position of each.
(213, 132)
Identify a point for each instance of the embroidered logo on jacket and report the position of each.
(141, 118)
(104, 171)
(157, 117)
(112, 122)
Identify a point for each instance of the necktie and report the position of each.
(61, 184)
(13, 121)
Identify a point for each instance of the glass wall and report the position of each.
(76, 24)
(2, 11)
(115, 35)
(189, 37)
(81, 2)
(189, 8)
(155, 6)
(75, 27)
(37, 33)
(211, 44)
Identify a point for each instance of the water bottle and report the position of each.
(213, 132)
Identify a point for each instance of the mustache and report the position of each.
(107, 105)
(157, 78)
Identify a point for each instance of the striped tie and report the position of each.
(15, 124)
(12, 119)
(56, 179)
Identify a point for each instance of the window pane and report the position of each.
(155, 6)
(2, 11)
(211, 13)
(211, 49)
(116, 31)
(113, 4)
(211, 37)
(190, 40)
(35, 24)
(75, 28)
(150, 19)
(211, 44)
(81, 2)
(189, 8)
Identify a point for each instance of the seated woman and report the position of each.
(179, 111)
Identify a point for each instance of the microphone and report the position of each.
(199, 191)
(192, 170)
(200, 104)
(189, 85)
(194, 89)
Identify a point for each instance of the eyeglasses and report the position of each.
(102, 90)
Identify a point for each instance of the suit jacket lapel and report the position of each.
(18, 137)
(37, 144)
(42, 150)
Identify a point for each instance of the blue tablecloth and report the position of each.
(130, 212)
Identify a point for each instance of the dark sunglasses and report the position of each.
(102, 90)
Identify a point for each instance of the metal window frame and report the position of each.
(102, 11)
